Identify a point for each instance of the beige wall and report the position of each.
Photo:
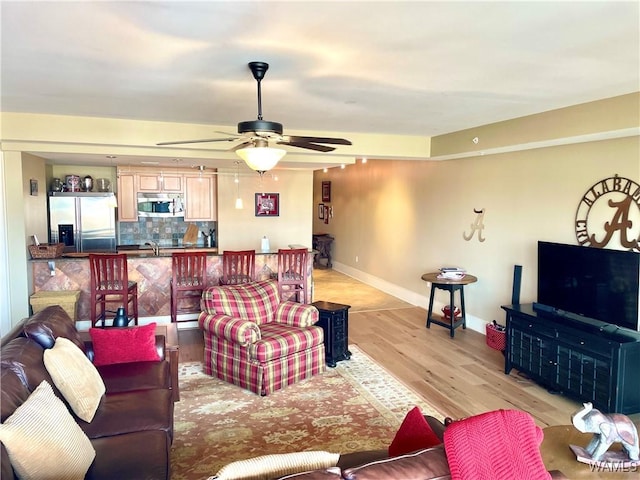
(588, 121)
(14, 187)
(35, 206)
(96, 172)
(237, 229)
(402, 219)
(242, 230)
(65, 134)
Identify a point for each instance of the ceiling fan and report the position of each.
(255, 135)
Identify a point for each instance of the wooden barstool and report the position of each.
(188, 280)
(238, 267)
(110, 285)
(292, 274)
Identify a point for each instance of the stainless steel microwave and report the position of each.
(160, 205)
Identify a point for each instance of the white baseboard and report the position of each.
(409, 296)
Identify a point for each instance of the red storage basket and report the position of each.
(496, 339)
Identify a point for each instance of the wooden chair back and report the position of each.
(238, 267)
(188, 270)
(109, 273)
(109, 284)
(188, 280)
(292, 274)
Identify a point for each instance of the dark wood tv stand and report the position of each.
(585, 359)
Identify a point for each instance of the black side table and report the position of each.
(334, 320)
(450, 286)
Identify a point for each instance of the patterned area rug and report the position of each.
(356, 406)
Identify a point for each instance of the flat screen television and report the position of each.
(598, 283)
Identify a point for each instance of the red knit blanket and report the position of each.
(498, 445)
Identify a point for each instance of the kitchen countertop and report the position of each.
(147, 251)
(134, 252)
(165, 251)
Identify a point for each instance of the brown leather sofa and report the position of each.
(132, 429)
(377, 463)
(423, 464)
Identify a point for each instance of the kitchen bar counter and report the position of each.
(143, 251)
(152, 272)
(166, 251)
(148, 252)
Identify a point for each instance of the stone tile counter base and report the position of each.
(152, 273)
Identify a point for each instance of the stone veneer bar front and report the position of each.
(153, 274)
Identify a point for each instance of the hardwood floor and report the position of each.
(459, 377)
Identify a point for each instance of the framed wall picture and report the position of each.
(267, 204)
(326, 214)
(33, 186)
(321, 211)
(326, 191)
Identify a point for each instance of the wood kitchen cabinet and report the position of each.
(159, 182)
(199, 189)
(200, 197)
(127, 198)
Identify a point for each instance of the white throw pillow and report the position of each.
(43, 440)
(76, 377)
(270, 466)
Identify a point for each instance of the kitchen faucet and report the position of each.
(155, 247)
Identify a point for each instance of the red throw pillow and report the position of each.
(414, 434)
(122, 345)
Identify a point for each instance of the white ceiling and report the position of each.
(414, 68)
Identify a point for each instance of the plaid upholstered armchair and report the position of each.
(255, 341)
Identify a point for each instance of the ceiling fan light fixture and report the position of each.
(261, 159)
(259, 132)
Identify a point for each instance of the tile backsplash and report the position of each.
(164, 231)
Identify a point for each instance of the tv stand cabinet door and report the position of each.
(585, 376)
(532, 349)
(599, 368)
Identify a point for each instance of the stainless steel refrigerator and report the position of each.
(84, 222)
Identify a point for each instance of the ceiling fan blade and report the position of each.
(333, 141)
(308, 146)
(260, 132)
(230, 139)
(248, 143)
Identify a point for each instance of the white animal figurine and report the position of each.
(606, 430)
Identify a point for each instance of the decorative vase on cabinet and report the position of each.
(121, 319)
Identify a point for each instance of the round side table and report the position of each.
(450, 286)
